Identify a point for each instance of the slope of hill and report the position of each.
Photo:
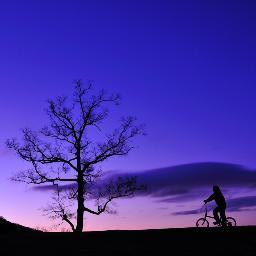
(187, 241)
(6, 226)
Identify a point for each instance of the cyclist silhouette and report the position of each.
(221, 205)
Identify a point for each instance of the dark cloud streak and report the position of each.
(181, 179)
(185, 183)
(233, 205)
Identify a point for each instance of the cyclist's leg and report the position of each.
(216, 215)
(223, 216)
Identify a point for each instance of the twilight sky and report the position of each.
(185, 68)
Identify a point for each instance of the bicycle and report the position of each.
(203, 222)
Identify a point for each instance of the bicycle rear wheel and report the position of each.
(202, 223)
(231, 222)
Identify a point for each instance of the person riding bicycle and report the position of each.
(221, 205)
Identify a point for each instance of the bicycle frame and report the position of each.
(211, 217)
(206, 213)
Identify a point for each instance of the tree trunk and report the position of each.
(80, 193)
(80, 201)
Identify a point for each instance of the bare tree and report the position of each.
(63, 153)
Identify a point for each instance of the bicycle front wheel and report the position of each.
(231, 222)
(202, 223)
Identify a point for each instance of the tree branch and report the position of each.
(115, 189)
(36, 177)
(89, 112)
(117, 143)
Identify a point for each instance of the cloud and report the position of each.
(239, 204)
(180, 180)
(187, 183)
(242, 203)
(184, 182)
(193, 182)
(192, 195)
(54, 187)
(189, 212)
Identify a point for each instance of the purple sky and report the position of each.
(185, 68)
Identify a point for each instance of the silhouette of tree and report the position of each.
(63, 153)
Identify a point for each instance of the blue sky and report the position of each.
(185, 68)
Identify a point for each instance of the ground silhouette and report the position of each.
(7, 227)
(180, 241)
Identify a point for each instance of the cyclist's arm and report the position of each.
(210, 198)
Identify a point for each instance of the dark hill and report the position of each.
(6, 226)
(187, 241)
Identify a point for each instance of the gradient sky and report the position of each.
(185, 68)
